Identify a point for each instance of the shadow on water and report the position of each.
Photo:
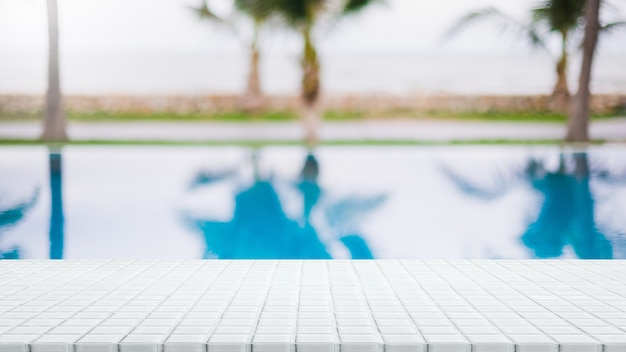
(12, 215)
(260, 228)
(566, 215)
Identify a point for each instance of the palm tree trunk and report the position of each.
(560, 93)
(310, 88)
(54, 121)
(578, 122)
(252, 99)
(57, 220)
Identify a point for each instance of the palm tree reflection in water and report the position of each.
(566, 216)
(260, 228)
(11, 216)
(57, 220)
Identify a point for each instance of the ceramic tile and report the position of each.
(186, 343)
(55, 343)
(16, 343)
(142, 343)
(490, 343)
(447, 343)
(404, 343)
(316, 343)
(229, 343)
(577, 343)
(98, 343)
(360, 343)
(273, 343)
(612, 343)
(533, 343)
(313, 306)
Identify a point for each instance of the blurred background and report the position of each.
(393, 47)
(312, 129)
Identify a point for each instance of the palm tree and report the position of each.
(560, 18)
(257, 13)
(54, 120)
(303, 16)
(578, 123)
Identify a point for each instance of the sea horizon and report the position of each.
(395, 74)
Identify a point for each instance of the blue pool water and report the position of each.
(113, 202)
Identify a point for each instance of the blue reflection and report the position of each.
(10, 217)
(57, 220)
(260, 228)
(13, 215)
(567, 212)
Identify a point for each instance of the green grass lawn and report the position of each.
(284, 116)
(546, 116)
(106, 116)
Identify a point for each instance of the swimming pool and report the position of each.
(162, 202)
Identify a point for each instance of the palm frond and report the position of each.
(229, 22)
(260, 10)
(504, 23)
(535, 38)
(204, 178)
(203, 11)
(604, 174)
(500, 182)
(11, 216)
(560, 15)
(296, 12)
(355, 6)
(291, 11)
(610, 27)
(346, 215)
(470, 18)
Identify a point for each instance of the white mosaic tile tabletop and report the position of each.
(313, 306)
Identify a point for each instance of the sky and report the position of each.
(161, 46)
(397, 27)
